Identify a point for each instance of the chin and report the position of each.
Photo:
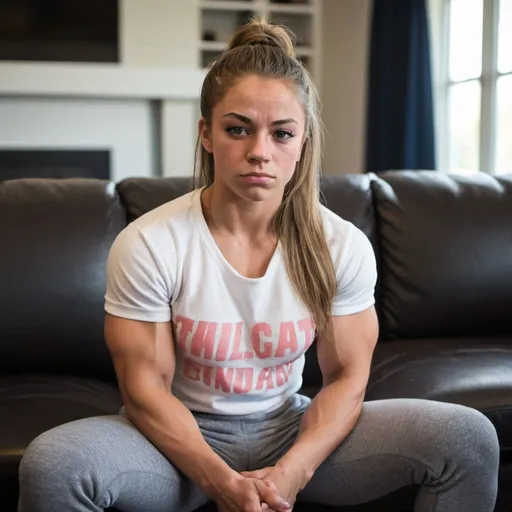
(258, 194)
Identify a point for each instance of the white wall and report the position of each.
(122, 126)
(346, 37)
(160, 33)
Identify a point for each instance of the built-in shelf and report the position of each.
(226, 5)
(220, 18)
(291, 8)
(219, 46)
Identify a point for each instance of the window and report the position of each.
(473, 70)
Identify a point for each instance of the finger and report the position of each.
(270, 484)
(266, 508)
(272, 498)
(258, 473)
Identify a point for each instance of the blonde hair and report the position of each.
(259, 48)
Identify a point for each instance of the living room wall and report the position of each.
(157, 39)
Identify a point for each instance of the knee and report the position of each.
(471, 436)
(51, 460)
(42, 460)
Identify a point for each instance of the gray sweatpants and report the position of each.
(95, 463)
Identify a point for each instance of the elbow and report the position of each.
(140, 396)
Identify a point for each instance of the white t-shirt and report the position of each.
(240, 342)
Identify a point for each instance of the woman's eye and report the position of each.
(236, 130)
(283, 134)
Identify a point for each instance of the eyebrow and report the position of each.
(248, 120)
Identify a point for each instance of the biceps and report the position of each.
(347, 348)
(142, 352)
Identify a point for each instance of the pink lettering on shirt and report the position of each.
(237, 354)
(184, 327)
(262, 350)
(287, 340)
(203, 340)
(225, 337)
(307, 327)
(224, 378)
(281, 375)
(265, 378)
(191, 369)
(243, 380)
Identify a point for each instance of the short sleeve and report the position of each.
(356, 271)
(137, 287)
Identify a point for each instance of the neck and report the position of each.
(228, 212)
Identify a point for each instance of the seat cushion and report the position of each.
(475, 372)
(32, 404)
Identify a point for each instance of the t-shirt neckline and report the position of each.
(216, 253)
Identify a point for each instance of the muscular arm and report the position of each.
(344, 356)
(144, 360)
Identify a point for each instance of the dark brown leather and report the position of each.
(55, 237)
(476, 372)
(140, 195)
(31, 404)
(446, 245)
(443, 246)
(350, 197)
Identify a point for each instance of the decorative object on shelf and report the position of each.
(209, 35)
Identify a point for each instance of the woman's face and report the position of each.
(256, 137)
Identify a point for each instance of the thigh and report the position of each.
(104, 462)
(397, 443)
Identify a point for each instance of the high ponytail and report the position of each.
(259, 48)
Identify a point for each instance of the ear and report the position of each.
(205, 134)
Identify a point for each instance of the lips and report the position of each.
(257, 175)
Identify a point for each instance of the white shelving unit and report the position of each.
(220, 18)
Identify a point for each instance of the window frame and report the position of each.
(439, 12)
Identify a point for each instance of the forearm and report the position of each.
(172, 428)
(331, 416)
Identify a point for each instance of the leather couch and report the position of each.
(444, 299)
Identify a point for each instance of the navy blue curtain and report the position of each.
(400, 118)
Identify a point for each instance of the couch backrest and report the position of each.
(446, 254)
(443, 246)
(54, 240)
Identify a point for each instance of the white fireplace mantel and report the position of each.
(146, 116)
(100, 81)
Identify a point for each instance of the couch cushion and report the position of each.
(141, 195)
(474, 371)
(32, 404)
(55, 236)
(445, 248)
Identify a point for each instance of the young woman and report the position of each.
(213, 299)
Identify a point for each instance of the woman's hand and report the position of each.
(277, 478)
(246, 494)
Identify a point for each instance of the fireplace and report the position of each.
(54, 163)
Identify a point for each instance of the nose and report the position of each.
(259, 149)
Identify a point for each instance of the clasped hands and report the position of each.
(271, 489)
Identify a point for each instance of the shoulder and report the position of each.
(176, 213)
(354, 263)
(141, 269)
(162, 227)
